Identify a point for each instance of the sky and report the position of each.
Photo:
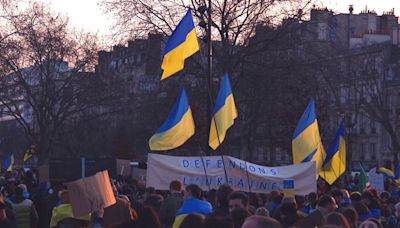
(88, 15)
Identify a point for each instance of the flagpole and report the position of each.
(209, 25)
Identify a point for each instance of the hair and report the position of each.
(192, 221)
(351, 215)
(262, 211)
(238, 216)
(355, 197)
(337, 193)
(386, 195)
(148, 217)
(368, 224)
(337, 219)
(241, 196)
(325, 201)
(376, 221)
(218, 221)
(175, 185)
(262, 221)
(18, 191)
(195, 190)
(223, 193)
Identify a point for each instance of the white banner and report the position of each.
(162, 169)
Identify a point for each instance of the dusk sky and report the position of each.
(88, 15)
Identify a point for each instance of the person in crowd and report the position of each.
(218, 222)
(274, 200)
(326, 204)
(286, 214)
(310, 205)
(337, 194)
(4, 221)
(24, 210)
(346, 198)
(222, 204)
(239, 215)
(62, 214)
(193, 203)
(148, 218)
(118, 213)
(257, 221)
(238, 200)
(351, 215)
(171, 204)
(363, 212)
(193, 220)
(337, 219)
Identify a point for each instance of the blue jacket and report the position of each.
(194, 205)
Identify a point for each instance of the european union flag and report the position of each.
(224, 114)
(9, 162)
(181, 45)
(306, 141)
(335, 162)
(177, 129)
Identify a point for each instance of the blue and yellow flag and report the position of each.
(181, 45)
(335, 162)
(306, 141)
(29, 153)
(9, 162)
(178, 127)
(224, 114)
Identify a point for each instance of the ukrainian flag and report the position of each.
(306, 141)
(181, 45)
(177, 129)
(9, 162)
(335, 162)
(386, 172)
(224, 114)
(29, 153)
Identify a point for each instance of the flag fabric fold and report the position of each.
(335, 162)
(181, 45)
(306, 141)
(224, 114)
(29, 153)
(177, 129)
(9, 162)
(363, 182)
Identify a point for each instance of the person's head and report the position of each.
(257, 221)
(362, 211)
(328, 203)
(338, 196)
(238, 200)
(262, 211)
(148, 217)
(193, 221)
(376, 221)
(337, 219)
(64, 196)
(351, 215)
(355, 197)
(218, 221)
(368, 224)
(18, 191)
(346, 197)
(238, 216)
(175, 186)
(193, 191)
(397, 210)
(223, 193)
(385, 196)
(272, 195)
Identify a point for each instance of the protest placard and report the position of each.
(90, 194)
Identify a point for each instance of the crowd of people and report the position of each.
(24, 202)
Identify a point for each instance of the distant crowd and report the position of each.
(24, 202)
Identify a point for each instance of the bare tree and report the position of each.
(41, 61)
